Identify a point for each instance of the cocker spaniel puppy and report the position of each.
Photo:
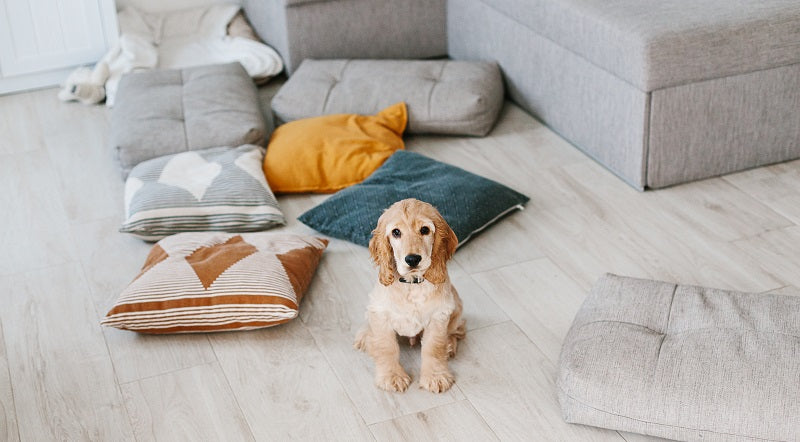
(411, 246)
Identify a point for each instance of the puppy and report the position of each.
(411, 246)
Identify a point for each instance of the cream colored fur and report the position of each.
(431, 308)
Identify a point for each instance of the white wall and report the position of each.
(169, 5)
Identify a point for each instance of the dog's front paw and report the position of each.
(438, 382)
(394, 381)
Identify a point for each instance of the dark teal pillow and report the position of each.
(468, 202)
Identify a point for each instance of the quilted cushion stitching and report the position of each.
(330, 89)
(436, 83)
(183, 111)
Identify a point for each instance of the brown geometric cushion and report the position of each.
(212, 281)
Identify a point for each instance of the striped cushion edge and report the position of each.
(214, 281)
(221, 189)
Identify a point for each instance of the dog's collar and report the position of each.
(416, 280)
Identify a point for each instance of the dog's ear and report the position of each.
(445, 242)
(381, 252)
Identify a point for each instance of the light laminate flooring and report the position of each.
(62, 263)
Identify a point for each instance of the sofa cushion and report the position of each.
(443, 97)
(328, 153)
(468, 202)
(211, 281)
(219, 189)
(683, 362)
(653, 45)
(165, 112)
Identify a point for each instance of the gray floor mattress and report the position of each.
(166, 112)
(683, 362)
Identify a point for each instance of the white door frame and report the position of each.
(51, 66)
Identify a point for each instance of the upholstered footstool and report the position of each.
(442, 96)
(659, 92)
(682, 362)
(302, 29)
(171, 111)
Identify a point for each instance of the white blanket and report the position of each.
(171, 40)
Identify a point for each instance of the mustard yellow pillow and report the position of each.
(328, 153)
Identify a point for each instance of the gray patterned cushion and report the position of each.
(442, 96)
(683, 362)
(170, 111)
(218, 189)
(468, 202)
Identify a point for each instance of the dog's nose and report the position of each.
(413, 260)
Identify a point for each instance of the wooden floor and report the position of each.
(62, 263)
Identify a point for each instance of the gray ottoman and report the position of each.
(301, 29)
(165, 112)
(660, 92)
(442, 96)
(682, 362)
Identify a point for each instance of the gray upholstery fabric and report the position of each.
(300, 29)
(601, 114)
(166, 112)
(442, 97)
(683, 362)
(659, 44)
(659, 93)
(724, 125)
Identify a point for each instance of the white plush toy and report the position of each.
(170, 40)
(86, 85)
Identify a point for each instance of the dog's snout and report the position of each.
(413, 260)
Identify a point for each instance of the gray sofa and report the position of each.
(659, 92)
(300, 29)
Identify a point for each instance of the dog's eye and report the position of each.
(424, 230)
(396, 233)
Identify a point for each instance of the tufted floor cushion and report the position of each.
(683, 362)
(442, 96)
(171, 111)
